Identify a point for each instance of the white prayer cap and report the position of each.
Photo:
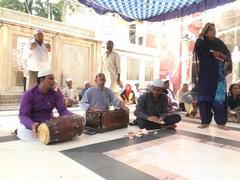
(185, 82)
(86, 82)
(165, 80)
(44, 72)
(157, 83)
(38, 31)
(69, 79)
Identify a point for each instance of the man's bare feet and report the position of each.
(187, 115)
(202, 126)
(223, 127)
(197, 116)
(192, 115)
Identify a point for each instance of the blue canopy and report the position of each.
(152, 10)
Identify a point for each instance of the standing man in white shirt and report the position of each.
(110, 66)
(38, 58)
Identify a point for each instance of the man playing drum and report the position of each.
(151, 109)
(37, 106)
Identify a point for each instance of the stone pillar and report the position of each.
(56, 57)
(1, 55)
(96, 59)
(5, 57)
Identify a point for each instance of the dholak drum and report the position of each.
(60, 129)
(106, 121)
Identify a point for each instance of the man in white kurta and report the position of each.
(38, 58)
(110, 66)
(70, 94)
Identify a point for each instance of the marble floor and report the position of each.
(185, 153)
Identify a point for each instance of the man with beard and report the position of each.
(37, 105)
(151, 109)
(38, 58)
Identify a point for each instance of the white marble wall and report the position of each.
(71, 56)
(139, 68)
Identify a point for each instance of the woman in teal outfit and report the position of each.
(213, 64)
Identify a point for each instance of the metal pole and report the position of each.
(49, 9)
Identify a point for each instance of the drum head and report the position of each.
(43, 133)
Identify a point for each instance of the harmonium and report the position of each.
(106, 121)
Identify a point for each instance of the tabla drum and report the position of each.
(60, 129)
(106, 121)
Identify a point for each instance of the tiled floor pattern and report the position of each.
(188, 153)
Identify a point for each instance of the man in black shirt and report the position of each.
(151, 109)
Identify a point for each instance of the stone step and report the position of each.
(9, 106)
(13, 93)
(17, 88)
(14, 90)
(10, 98)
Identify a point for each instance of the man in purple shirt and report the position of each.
(37, 105)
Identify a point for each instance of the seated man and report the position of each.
(173, 103)
(190, 104)
(70, 94)
(151, 109)
(87, 85)
(99, 97)
(55, 88)
(234, 103)
(136, 90)
(37, 104)
(180, 92)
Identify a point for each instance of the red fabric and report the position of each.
(128, 90)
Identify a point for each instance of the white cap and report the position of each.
(185, 82)
(165, 80)
(44, 72)
(69, 79)
(86, 82)
(157, 83)
(38, 31)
